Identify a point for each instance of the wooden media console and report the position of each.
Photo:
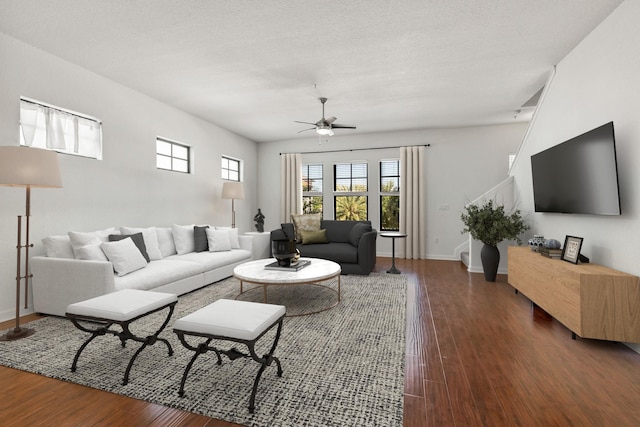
(591, 300)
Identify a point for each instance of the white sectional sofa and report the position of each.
(79, 266)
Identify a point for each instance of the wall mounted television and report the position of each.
(579, 175)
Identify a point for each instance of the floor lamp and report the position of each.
(232, 190)
(28, 168)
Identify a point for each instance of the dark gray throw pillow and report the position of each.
(137, 239)
(289, 231)
(200, 241)
(357, 231)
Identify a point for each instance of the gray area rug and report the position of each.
(342, 367)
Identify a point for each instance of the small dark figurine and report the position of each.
(259, 219)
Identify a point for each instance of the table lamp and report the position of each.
(233, 190)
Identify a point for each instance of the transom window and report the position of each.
(57, 129)
(312, 189)
(230, 169)
(390, 195)
(351, 191)
(173, 156)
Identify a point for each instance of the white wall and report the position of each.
(125, 188)
(596, 83)
(461, 164)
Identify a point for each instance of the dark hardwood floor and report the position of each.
(477, 355)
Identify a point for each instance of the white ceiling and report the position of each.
(251, 66)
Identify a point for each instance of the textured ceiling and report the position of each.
(251, 66)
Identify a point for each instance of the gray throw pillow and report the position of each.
(137, 239)
(356, 233)
(288, 230)
(200, 241)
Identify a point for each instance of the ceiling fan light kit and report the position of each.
(325, 126)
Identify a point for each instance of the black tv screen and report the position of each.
(579, 175)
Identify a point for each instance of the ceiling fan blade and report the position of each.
(306, 123)
(304, 130)
(330, 120)
(339, 126)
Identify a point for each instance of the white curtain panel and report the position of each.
(412, 204)
(290, 185)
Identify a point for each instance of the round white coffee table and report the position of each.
(316, 273)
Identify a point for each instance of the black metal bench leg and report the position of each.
(201, 349)
(83, 346)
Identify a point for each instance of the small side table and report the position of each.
(393, 235)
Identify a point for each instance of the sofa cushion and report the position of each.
(159, 273)
(338, 231)
(209, 260)
(92, 253)
(137, 239)
(233, 236)
(183, 238)
(200, 243)
(124, 255)
(58, 247)
(307, 222)
(337, 252)
(218, 240)
(165, 241)
(311, 237)
(80, 238)
(357, 231)
(150, 237)
(288, 230)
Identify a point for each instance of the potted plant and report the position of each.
(490, 224)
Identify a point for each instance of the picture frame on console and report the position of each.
(571, 249)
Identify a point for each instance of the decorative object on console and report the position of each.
(490, 224)
(571, 250)
(233, 190)
(552, 244)
(284, 251)
(26, 167)
(536, 242)
(259, 219)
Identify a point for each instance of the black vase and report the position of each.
(284, 251)
(490, 256)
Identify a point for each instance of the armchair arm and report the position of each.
(58, 282)
(367, 250)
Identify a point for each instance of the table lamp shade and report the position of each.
(232, 190)
(29, 167)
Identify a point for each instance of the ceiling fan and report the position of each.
(324, 126)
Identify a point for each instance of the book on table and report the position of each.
(294, 267)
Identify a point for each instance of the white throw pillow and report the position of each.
(150, 237)
(165, 241)
(80, 239)
(218, 240)
(58, 247)
(124, 255)
(183, 238)
(233, 236)
(92, 253)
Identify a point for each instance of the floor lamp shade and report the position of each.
(233, 190)
(29, 167)
(26, 167)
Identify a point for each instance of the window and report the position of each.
(172, 156)
(230, 169)
(53, 128)
(312, 189)
(390, 195)
(350, 191)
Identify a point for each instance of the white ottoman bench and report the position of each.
(237, 321)
(97, 315)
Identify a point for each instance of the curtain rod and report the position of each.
(356, 149)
